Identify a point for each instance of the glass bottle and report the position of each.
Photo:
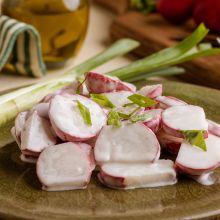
(62, 24)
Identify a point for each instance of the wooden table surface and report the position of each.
(97, 39)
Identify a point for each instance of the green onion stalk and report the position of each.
(158, 64)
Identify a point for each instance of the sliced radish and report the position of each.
(131, 176)
(131, 143)
(37, 134)
(68, 122)
(65, 166)
(169, 142)
(154, 120)
(42, 110)
(28, 159)
(17, 140)
(214, 128)
(194, 161)
(187, 117)
(151, 91)
(118, 99)
(19, 123)
(100, 83)
(169, 101)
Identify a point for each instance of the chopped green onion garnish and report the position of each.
(102, 100)
(114, 119)
(195, 138)
(141, 117)
(85, 113)
(141, 100)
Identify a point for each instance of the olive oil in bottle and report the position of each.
(62, 24)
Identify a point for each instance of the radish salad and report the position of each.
(105, 125)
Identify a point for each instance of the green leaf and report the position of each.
(102, 100)
(169, 56)
(85, 113)
(114, 119)
(141, 117)
(195, 138)
(141, 100)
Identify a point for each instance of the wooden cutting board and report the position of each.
(155, 33)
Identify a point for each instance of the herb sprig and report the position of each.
(84, 111)
(195, 138)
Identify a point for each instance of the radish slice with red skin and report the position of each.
(151, 91)
(187, 117)
(154, 121)
(20, 123)
(193, 160)
(169, 142)
(100, 83)
(28, 159)
(68, 122)
(131, 176)
(17, 140)
(37, 134)
(65, 166)
(169, 101)
(120, 98)
(131, 143)
(214, 128)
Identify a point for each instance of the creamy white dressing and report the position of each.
(206, 179)
(187, 117)
(142, 175)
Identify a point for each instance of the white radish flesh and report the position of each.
(42, 110)
(131, 143)
(214, 128)
(154, 120)
(179, 118)
(100, 83)
(68, 122)
(118, 99)
(37, 134)
(193, 160)
(66, 166)
(169, 142)
(131, 176)
(20, 122)
(17, 140)
(151, 91)
(169, 101)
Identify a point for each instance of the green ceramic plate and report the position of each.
(22, 198)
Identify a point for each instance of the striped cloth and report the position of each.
(20, 45)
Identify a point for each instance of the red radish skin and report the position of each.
(131, 176)
(67, 121)
(194, 161)
(37, 134)
(67, 166)
(179, 118)
(28, 159)
(169, 101)
(151, 91)
(214, 128)
(175, 11)
(100, 83)
(154, 123)
(207, 12)
(169, 142)
(131, 143)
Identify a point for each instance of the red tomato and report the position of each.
(208, 12)
(175, 11)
